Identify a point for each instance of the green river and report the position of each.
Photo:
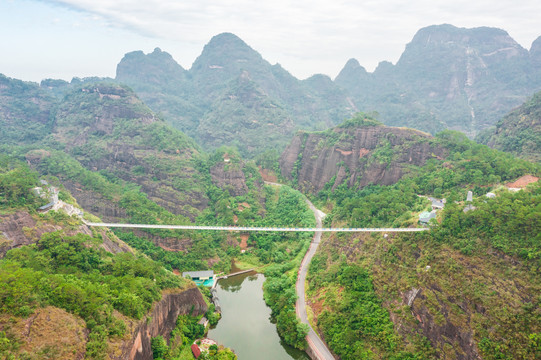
(245, 325)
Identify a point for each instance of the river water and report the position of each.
(245, 325)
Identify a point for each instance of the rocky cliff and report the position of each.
(448, 77)
(160, 321)
(21, 228)
(356, 155)
(108, 129)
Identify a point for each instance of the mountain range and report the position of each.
(447, 78)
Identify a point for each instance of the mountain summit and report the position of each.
(448, 77)
(231, 95)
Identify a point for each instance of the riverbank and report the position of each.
(245, 326)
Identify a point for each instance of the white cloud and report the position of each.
(309, 36)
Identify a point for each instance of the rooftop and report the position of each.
(198, 274)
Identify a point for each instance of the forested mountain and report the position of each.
(79, 292)
(426, 296)
(25, 111)
(122, 163)
(466, 289)
(232, 96)
(519, 132)
(448, 78)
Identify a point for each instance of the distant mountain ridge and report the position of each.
(519, 132)
(447, 78)
(231, 95)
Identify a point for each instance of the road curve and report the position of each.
(320, 349)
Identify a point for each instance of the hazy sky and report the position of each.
(63, 39)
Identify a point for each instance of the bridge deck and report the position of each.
(252, 228)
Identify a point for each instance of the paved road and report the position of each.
(318, 346)
(252, 228)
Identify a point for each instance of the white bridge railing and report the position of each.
(252, 228)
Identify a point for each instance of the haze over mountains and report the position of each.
(466, 289)
(447, 77)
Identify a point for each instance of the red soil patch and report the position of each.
(176, 272)
(268, 175)
(523, 182)
(243, 206)
(344, 152)
(363, 152)
(244, 241)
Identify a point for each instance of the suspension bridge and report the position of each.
(251, 228)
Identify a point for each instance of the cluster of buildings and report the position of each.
(426, 216)
(437, 204)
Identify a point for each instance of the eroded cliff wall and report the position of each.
(357, 155)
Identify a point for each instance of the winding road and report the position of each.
(319, 348)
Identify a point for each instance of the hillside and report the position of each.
(519, 132)
(69, 291)
(25, 111)
(468, 289)
(465, 289)
(447, 78)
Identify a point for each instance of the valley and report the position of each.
(166, 170)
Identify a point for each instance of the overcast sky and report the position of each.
(63, 39)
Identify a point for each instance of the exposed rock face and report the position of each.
(20, 229)
(163, 319)
(229, 177)
(95, 203)
(448, 77)
(359, 156)
(445, 332)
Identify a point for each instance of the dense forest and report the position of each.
(447, 277)
(468, 288)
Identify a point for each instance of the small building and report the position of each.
(425, 216)
(199, 275)
(204, 321)
(196, 351)
(46, 207)
(437, 204)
